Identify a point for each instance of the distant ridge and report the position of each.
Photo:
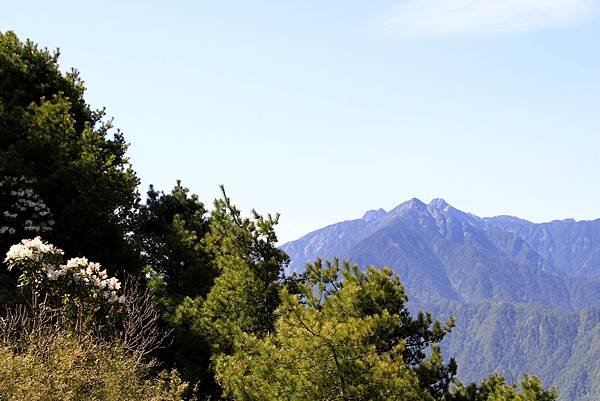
(457, 263)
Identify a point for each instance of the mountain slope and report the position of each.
(510, 338)
(526, 295)
(572, 246)
(441, 253)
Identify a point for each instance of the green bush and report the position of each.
(61, 365)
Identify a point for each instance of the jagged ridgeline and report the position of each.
(526, 296)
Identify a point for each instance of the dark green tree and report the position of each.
(216, 275)
(54, 145)
(171, 231)
(171, 234)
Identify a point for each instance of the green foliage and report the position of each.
(494, 388)
(63, 366)
(339, 338)
(171, 230)
(246, 293)
(216, 276)
(53, 143)
(345, 334)
(316, 358)
(380, 292)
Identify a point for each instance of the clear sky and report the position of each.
(321, 110)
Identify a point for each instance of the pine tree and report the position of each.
(344, 334)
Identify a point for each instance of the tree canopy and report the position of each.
(344, 335)
(54, 145)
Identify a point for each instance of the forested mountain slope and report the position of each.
(526, 295)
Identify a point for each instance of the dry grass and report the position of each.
(46, 363)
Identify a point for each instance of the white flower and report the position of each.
(52, 273)
(31, 249)
(93, 268)
(113, 283)
(111, 296)
(18, 252)
(122, 299)
(97, 282)
(74, 263)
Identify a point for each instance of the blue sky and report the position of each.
(321, 110)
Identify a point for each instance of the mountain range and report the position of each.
(526, 296)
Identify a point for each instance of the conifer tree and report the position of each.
(246, 293)
(171, 230)
(346, 335)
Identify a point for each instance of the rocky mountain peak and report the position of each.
(413, 205)
(438, 203)
(372, 215)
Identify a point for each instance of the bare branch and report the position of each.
(141, 332)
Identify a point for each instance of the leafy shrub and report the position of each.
(65, 366)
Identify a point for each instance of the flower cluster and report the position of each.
(32, 250)
(40, 265)
(22, 208)
(91, 275)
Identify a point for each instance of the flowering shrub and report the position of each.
(21, 208)
(79, 287)
(34, 258)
